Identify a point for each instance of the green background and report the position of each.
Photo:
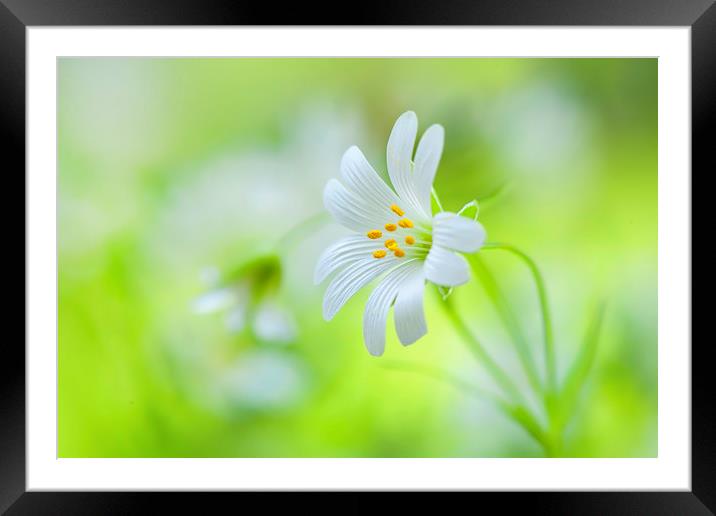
(169, 168)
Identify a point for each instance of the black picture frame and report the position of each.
(17, 15)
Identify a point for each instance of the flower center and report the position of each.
(391, 244)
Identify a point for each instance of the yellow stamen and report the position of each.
(396, 209)
(374, 233)
(390, 227)
(405, 223)
(410, 239)
(379, 253)
(398, 252)
(390, 244)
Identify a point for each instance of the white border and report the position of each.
(671, 470)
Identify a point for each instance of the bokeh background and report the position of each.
(189, 325)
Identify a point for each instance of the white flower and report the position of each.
(249, 297)
(263, 380)
(395, 235)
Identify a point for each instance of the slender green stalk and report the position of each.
(583, 363)
(550, 364)
(502, 306)
(482, 356)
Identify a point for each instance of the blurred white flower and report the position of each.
(273, 323)
(229, 206)
(249, 298)
(263, 380)
(395, 235)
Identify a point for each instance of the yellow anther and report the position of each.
(390, 243)
(398, 252)
(405, 223)
(410, 239)
(374, 233)
(390, 227)
(379, 253)
(396, 209)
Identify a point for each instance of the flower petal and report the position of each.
(408, 309)
(214, 300)
(349, 210)
(342, 253)
(235, 319)
(458, 233)
(361, 179)
(446, 268)
(378, 305)
(351, 280)
(399, 158)
(274, 324)
(427, 158)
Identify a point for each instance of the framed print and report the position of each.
(394, 257)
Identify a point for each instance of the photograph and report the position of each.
(266, 257)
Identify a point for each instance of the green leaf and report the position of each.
(583, 363)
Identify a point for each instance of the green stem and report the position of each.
(502, 306)
(550, 364)
(482, 356)
(518, 409)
